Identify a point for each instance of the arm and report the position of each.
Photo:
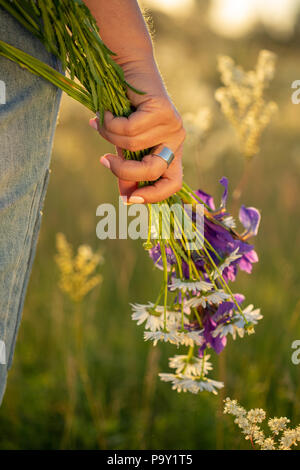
(156, 123)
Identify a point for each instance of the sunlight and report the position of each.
(172, 6)
(233, 19)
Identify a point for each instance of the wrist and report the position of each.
(142, 72)
(141, 58)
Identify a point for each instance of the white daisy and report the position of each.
(166, 337)
(225, 329)
(217, 297)
(190, 338)
(209, 385)
(190, 285)
(192, 367)
(187, 384)
(214, 298)
(154, 317)
(251, 316)
(146, 313)
(175, 318)
(237, 323)
(184, 338)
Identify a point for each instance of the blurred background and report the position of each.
(122, 404)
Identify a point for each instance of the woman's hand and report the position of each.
(155, 124)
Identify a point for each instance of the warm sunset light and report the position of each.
(172, 6)
(232, 18)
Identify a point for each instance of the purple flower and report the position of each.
(223, 241)
(155, 254)
(224, 182)
(226, 307)
(250, 218)
(206, 198)
(212, 319)
(218, 344)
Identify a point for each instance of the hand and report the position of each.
(155, 123)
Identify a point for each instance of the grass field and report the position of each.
(46, 403)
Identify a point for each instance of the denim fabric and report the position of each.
(27, 125)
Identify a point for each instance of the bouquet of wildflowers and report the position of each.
(199, 309)
(195, 308)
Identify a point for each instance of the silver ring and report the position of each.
(166, 154)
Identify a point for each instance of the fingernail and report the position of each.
(136, 200)
(93, 124)
(105, 162)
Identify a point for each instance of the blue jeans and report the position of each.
(28, 111)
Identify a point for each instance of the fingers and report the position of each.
(126, 188)
(168, 184)
(159, 191)
(137, 123)
(149, 169)
(155, 124)
(139, 131)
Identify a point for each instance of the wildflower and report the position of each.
(288, 439)
(77, 276)
(190, 338)
(147, 313)
(165, 336)
(187, 384)
(175, 318)
(232, 407)
(250, 218)
(248, 423)
(216, 342)
(242, 100)
(278, 424)
(268, 444)
(256, 415)
(153, 316)
(197, 124)
(242, 422)
(259, 437)
(194, 286)
(155, 254)
(250, 316)
(190, 366)
(265, 67)
(235, 251)
(232, 322)
(214, 298)
(204, 311)
(226, 263)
